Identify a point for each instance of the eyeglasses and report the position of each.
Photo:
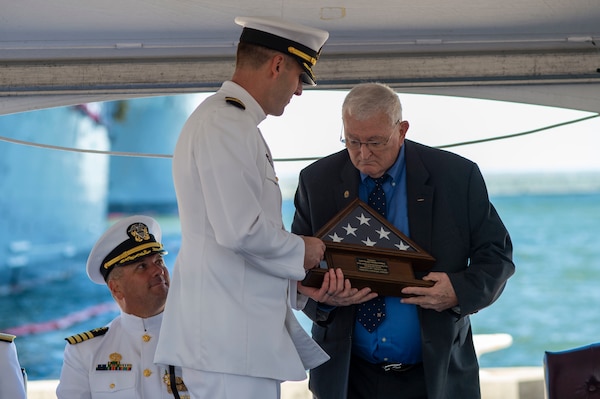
(353, 144)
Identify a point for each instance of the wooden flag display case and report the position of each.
(370, 251)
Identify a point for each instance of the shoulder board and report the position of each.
(7, 337)
(84, 336)
(235, 102)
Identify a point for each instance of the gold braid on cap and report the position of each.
(133, 253)
(303, 55)
(139, 244)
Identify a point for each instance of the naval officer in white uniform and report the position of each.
(117, 361)
(228, 320)
(12, 383)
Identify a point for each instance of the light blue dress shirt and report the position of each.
(398, 337)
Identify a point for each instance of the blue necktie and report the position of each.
(371, 313)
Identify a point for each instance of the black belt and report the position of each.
(397, 367)
(388, 367)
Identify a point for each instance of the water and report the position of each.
(549, 304)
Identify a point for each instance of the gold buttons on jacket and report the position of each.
(146, 338)
(147, 373)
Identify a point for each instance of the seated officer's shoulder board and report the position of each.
(84, 336)
(236, 102)
(7, 337)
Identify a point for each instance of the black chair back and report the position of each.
(573, 373)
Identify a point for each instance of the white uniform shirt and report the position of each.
(118, 364)
(11, 378)
(234, 282)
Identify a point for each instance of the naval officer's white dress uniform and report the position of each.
(228, 320)
(12, 384)
(226, 310)
(116, 363)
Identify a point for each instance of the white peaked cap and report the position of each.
(126, 241)
(302, 42)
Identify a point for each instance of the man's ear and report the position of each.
(404, 125)
(115, 288)
(277, 63)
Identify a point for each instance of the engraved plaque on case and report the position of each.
(370, 265)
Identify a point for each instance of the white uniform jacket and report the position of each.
(117, 364)
(229, 305)
(12, 384)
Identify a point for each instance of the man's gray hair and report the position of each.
(366, 100)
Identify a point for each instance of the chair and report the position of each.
(573, 373)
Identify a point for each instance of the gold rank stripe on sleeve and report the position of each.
(84, 336)
(7, 337)
(236, 102)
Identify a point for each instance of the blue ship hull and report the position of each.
(149, 127)
(53, 202)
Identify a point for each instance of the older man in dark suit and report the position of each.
(423, 346)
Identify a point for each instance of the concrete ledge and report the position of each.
(41, 389)
(496, 383)
(295, 390)
(512, 383)
(46, 389)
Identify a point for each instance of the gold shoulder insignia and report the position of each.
(7, 337)
(84, 336)
(235, 102)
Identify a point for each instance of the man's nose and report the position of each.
(158, 269)
(365, 151)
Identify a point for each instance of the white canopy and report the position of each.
(74, 51)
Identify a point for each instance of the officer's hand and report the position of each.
(314, 249)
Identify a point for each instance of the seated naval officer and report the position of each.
(117, 361)
(12, 383)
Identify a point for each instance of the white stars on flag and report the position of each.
(369, 243)
(359, 225)
(402, 246)
(336, 238)
(384, 234)
(363, 219)
(350, 230)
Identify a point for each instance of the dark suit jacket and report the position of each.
(451, 218)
